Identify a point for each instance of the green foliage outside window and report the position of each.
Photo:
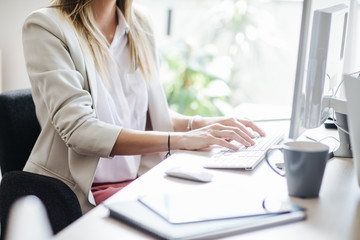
(203, 79)
(194, 90)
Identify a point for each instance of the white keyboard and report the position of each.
(246, 158)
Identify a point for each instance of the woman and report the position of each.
(93, 70)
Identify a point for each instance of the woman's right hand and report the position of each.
(214, 134)
(134, 142)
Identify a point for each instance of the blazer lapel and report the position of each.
(91, 75)
(84, 53)
(158, 108)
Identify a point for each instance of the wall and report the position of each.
(0, 73)
(12, 16)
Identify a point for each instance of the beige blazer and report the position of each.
(63, 81)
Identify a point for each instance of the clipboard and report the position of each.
(222, 203)
(139, 215)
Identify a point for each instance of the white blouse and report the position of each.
(123, 102)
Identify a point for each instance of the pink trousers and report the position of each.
(103, 191)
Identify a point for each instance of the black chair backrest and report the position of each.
(19, 129)
(60, 201)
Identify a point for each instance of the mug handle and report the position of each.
(273, 148)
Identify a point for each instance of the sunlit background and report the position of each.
(217, 54)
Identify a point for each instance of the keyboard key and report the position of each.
(246, 157)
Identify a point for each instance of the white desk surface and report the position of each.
(334, 215)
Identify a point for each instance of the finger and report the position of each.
(253, 126)
(224, 143)
(240, 130)
(243, 131)
(233, 134)
(248, 136)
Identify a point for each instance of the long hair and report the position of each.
(141, 45)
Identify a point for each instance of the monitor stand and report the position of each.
(344, 149)
(340, 109)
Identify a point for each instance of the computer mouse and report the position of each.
(190, 173)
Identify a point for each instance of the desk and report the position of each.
(334, 215)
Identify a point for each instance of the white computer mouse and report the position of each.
(190, 173)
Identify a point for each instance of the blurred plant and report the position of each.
(202, 77)
(236, 34)
(194, 88)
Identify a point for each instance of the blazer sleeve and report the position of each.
(61, 87)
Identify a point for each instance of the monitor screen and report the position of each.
(320, 63)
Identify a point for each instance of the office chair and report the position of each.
(28, 214)
(19, 130)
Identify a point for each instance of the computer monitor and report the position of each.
(320, 66)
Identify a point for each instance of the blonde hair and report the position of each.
(140, 37)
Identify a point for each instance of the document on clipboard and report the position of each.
(176, 220)
(187, 207)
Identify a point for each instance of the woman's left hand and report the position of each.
(246, 126)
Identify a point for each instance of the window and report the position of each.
(221, 53)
